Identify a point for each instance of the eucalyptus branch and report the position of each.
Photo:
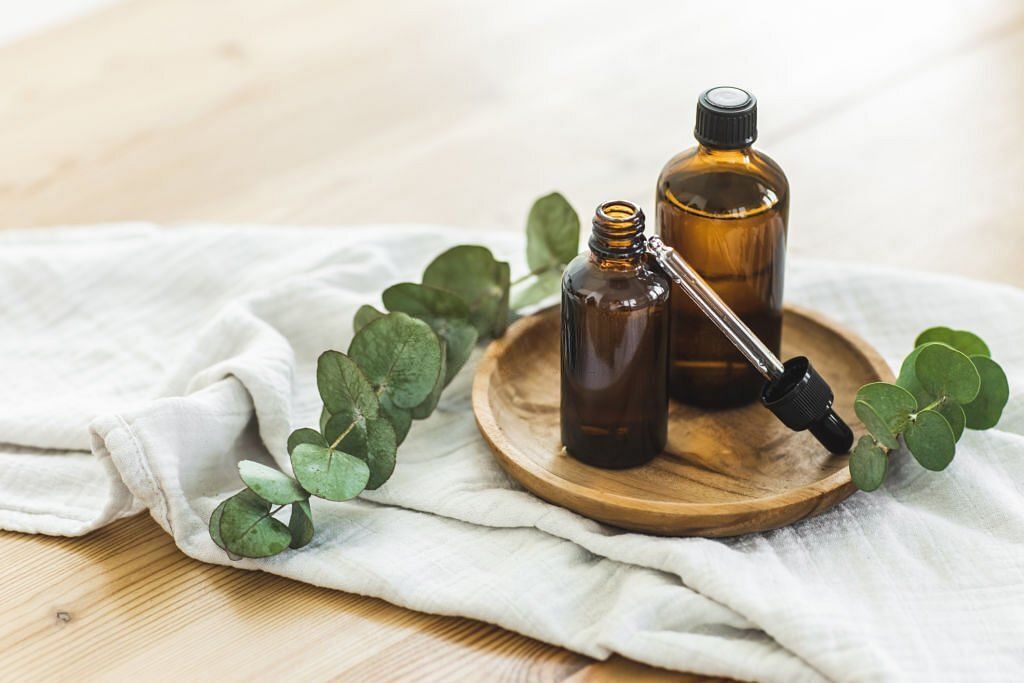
(395, 370)
(951, 374)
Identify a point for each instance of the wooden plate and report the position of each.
(723, 473)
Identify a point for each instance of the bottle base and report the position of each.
(609, 453)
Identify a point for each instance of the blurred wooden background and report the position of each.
(897, 122)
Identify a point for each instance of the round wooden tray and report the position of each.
(723, 473)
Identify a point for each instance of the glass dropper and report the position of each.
(683, 274)
(794, 390)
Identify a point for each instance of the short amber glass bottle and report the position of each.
(614, 346)
(724, 207)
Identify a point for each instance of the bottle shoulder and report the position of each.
(613, 288)
(723, 184)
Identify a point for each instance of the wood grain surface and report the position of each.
(723, 473)
(897, 125)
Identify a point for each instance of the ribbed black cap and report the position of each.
(726, 118)
(802, 399)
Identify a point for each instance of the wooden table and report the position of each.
(898, 125)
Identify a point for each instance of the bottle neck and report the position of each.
(740, 156)
(617, 240)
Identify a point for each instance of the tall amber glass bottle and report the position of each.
(724, 206)
(614, 346)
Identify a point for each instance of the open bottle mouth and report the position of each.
(618, 230)
(618, 212)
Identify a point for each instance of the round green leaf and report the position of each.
(424, 302)
(215, 525)
(501, 315)
(545, 284)
(381, 449)
(400, 418)
(372, 441)
(479, 280)
(876, 424)
(892, 403)
(306, 435)
(868, 464)
(347, 427)
(986, 409)
(446, 314)
(365, 315)
(215, 530)
(269, 484)
(325, 416)
(329, 473)
(248, 529)
(908, 379)
(427, 406)
(963, 341)
(552, 233)
(300, 525)
(954, 415)
(930, 440)
(343, 386)
(400, 355)
(944, 371)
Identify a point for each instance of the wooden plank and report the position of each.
(897, 134)
(124, 602)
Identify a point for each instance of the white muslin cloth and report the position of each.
(139, 364)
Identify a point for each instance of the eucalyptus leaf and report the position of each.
(446, 314)
(382, 447)
(944, 371)
(401, 357)
(954, 415)
(552, 233)
(427, 406)
(215, 530)
(544, 285)
(501, 316)
(342, 384)
(372, 441)
(248, 529)
(986, 409)
(424, 302)
(876, 424)
(349, 428)
(963, 341)
(300, 525)
(269, 484)
(908, 379)
(930, 440)
(868, 464)
(329, 473)
(892, 403)
(306, 435)
(215, 524)
(400, 418)
(481, 281)
(365, 315)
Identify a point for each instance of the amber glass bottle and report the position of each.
(724, 206)
(614, 346)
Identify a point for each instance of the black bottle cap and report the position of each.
(726, 118)
(802, 399)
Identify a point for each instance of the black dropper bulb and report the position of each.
(803, 400)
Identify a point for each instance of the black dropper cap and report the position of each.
(802, 399)
(726, 118)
